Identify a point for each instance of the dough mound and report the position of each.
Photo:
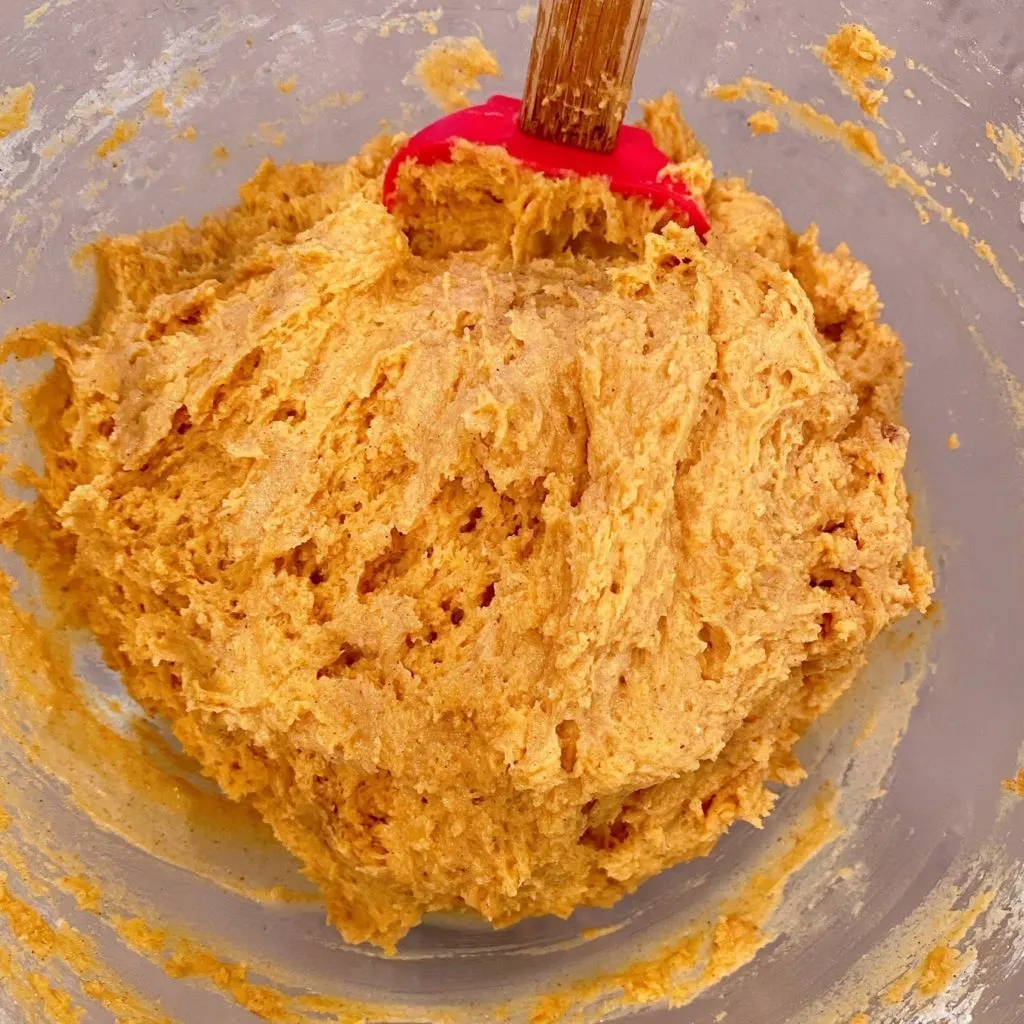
(498, 551)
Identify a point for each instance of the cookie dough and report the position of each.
(858, 59)
(497, 551)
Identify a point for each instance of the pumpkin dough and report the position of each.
(498, 551)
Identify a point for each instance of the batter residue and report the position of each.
(15, 107)
(1009, 149)
(498, 551)
(450, 69)
(858, 59)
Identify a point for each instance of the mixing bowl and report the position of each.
(146, 111)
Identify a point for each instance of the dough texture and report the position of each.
(498, 551)
(858, 60)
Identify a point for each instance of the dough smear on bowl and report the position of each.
(497, 551)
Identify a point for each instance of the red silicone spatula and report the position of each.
(570, 121)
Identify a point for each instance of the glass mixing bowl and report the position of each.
(927, 826)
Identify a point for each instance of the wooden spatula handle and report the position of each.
(581, 70)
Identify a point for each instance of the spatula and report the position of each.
(569, 122)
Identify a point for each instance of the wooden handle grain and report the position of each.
(581, 70)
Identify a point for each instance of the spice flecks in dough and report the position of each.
(953, 442)
(15, 107)
(451, 68)
(858, 60)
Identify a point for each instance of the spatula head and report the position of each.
(632, 168)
